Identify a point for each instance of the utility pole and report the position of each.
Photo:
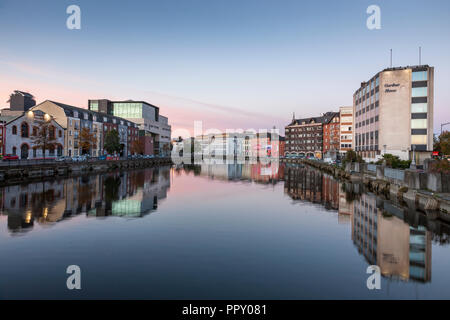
(391, 58)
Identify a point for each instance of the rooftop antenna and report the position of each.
(391, 58)
(420, 56)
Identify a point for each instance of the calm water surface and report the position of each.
(224, 231)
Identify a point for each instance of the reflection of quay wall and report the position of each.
(134, 193)
(311, 185)
(399, 250)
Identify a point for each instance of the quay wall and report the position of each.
(426, 189)
(22, 173)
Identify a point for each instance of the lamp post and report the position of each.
(444, 124)
(413, 162)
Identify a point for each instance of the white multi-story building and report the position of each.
(346, 129)
(393, 113)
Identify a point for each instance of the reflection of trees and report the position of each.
(112, 184)
(85, 192)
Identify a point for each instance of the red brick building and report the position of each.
(331, 135)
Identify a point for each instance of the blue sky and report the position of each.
(232, 64)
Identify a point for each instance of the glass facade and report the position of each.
(127, 109)
(419, 107)
(94, 105)
(418, 139)
(420, 76)
(419, 92)
(419, 124)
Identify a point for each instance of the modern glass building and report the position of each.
(144, 114)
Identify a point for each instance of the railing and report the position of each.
(394, 174)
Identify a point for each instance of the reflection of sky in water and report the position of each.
(217, 232)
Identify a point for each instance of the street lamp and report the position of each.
(413, 162)
(444, 124)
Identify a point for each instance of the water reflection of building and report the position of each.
(400, 250)
(303, 183)
(247, 171)
(394, 237)
(130, 193)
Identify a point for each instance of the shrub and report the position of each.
(351, 156)
(440, 166)
(394, 161)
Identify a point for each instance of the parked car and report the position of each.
(112, 157)
(63, 159)
(9, 157)
(102, 157)
(79, 158)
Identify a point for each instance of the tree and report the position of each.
(442, 143)
(352, 156)
(137, 147)
(45, 137)
(87, 140)
(112, 142)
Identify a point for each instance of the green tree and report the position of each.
(442, 143)
(112, 142)
(394, 161)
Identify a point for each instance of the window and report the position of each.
(24, 132)
(14, 149)
(420, 76)
(419, 107)
(418, 139)
(418, 123)
(94, 105)
(60, 133)
(419, 92)
(14, 130)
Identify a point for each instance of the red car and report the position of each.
(9, 157)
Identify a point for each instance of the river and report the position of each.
(216, 231)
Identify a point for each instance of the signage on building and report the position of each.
(390, 87)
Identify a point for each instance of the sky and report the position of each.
(230, 64)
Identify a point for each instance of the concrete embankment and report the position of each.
(428, 191)
(28, 173)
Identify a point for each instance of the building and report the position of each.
(401, 251)
(155, 130)
(304, 137)
(346, 129)
(19, 132)
(240, 145)
(393, 113)
(331, 136)
(282, 146)
(19, 102)
(73, 120)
